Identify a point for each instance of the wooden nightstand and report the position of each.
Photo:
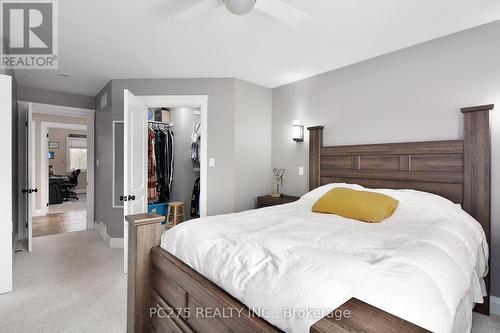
(267, 200)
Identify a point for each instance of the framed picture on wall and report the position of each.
(53, 144)
(51, 155)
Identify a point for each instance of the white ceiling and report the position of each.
(107, 39)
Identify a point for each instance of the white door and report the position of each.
(31, 186)
(26, 177)
(135, 161)
(6, 222)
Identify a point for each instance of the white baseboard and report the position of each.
(114, 243)
(40, 212)
(100, 228)
(494, 305)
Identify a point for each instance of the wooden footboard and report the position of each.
(165, 295)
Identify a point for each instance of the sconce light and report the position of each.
(297, 131)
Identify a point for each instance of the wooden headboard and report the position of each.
(458, 170)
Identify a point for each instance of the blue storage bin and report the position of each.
(160, 209)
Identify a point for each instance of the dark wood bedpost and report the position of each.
(145, 232)
(477, 174)
(315, 144)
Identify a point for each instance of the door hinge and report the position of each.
(26, 123)
(47, 134)
(26, 225)
(47, 205)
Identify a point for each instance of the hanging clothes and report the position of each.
(169, 167)
(196, 142)
(152, 193)
(161, 145)
(161, 163)
(195, 199)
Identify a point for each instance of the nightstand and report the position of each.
(267, 200)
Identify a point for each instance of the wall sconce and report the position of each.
(297, 131)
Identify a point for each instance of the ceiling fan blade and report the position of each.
(282, 11)
(198, 10)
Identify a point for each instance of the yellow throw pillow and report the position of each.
(357, 205)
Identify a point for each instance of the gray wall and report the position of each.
(39, 95)
(410, 95)
(252, 151)
(103, 209)
(119, 166)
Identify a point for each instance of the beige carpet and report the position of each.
(72, 282)
(485, 324)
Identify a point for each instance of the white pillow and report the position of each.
(311, 197)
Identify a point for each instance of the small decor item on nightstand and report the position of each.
(277, 182)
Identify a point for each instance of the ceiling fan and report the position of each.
(275, 8)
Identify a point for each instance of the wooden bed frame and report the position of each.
(166, 295)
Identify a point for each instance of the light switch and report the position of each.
(97, 162)
(301, 171)
(211, 162)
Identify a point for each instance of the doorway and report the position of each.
(57, 188)
(136, 129)
(63, 152)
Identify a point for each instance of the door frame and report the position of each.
(198, 101)
(89, 115)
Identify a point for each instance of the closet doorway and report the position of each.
(171, 122)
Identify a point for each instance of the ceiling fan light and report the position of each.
(239, 7)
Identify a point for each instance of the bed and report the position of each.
(420, 270)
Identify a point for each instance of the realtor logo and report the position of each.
(29, 34)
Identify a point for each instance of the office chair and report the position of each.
(71, 183)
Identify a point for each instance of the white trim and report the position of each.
(200, 101)
(90, 171)
(34, 212)
(114, 156)
(100, 228)
(38, 212)
(73, 127)
(80, 191)
(59, 110)
(495, 305)
(44, 167)
(114, 243)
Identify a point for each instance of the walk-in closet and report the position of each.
(174, 143)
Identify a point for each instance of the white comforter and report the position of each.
(286, 262)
